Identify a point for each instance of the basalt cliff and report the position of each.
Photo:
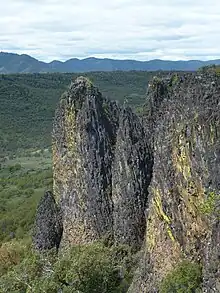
(150, 182)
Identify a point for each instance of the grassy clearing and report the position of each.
(23, 180)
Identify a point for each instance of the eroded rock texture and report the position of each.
(93, 140)
(48, 224)
(131, 177)
(148, 184)
(211, 271)
(186, 171)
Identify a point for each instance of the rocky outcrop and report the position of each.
(93, 140)
(152, 184)
(48, 224)
(185, 173)
(83, 144)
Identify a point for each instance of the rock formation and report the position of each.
(152, 182)
(48, 224)
(185, 172)
(131, 175)
(101, 173)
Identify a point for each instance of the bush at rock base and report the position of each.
(185, 278)
(86, 268)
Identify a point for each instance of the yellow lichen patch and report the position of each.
(170, 233)
(163, 248)
(64, 162)
(160, 210)
(171, 236)
(189, 190)
(158, 205)
(161, 214)
(183, 161)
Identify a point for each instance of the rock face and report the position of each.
(211, 270)
(48, 224)
(93, 140)
(131, 175)
(185, 173)
(152, 183)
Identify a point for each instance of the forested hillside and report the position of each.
(28, 102)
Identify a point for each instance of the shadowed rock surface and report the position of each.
(48, 225)
(131, 173)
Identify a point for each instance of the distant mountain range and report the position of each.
(14, 63)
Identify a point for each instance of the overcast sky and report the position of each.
(122, 29)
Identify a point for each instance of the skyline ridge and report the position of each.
(15, 63)
(108, 58)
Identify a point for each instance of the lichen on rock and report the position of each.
(93, 140)
(142, 181)
(83, 142)
(186, 154)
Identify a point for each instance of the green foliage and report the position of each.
(186, 278)
(14, 168)
(12, 253)
(22, 276)
(28, 102)
(20, 191)
(95, 268)
(209, 207)
(210, 69)
(85, 269)
(174, 79)
(89, 268)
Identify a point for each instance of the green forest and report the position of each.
(28, 103)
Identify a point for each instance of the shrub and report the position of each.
(86, 268)
(22, 278)
(14, 168)
(210, 205)
(12, 253)
(94, 268)
(186, 278)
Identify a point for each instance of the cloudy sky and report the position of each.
(122, 29)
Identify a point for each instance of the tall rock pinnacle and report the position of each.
(87, 143)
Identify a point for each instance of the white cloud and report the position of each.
(124, 29)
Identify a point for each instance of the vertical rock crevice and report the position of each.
(131, 177)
